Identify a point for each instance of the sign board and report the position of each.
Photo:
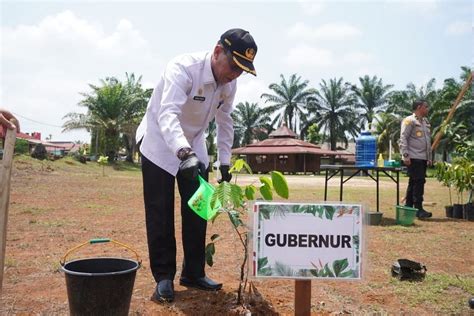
(307, 241)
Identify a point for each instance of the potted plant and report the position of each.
(462, 173)
(444, 174)
(465, 172)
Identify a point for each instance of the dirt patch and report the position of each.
(55, 206)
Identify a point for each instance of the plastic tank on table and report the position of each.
(366, 150)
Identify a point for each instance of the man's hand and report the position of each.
(225, 175)
(5, 117)
(407, 161)
(190, 167)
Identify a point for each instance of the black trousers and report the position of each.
(158, 192)
(416, 183)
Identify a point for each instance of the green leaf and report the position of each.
(330, 210)
(339, 266)
(265, 271)
(210, 251)
(265, 213)
(250, 191)
(238, 165)
(347, 274)
(266, 188)
(223, 193)
(262, 262)
(314, 272)
(327, 271)
(215, 237)
(236, 195)
(280, 185)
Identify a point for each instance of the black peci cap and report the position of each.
(243, 48)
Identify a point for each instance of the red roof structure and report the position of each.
(284, 152)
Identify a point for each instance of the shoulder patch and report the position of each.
(407, 121)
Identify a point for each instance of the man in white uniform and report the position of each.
(193, 90)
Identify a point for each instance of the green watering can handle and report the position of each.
(98, 241)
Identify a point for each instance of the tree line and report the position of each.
(334, 112)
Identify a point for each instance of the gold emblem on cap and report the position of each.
(250, 53)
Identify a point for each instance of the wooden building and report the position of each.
(282, 151)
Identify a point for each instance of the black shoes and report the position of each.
(203, 283)
(423, 214)
(164, 292)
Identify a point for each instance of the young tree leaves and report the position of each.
(279, 184)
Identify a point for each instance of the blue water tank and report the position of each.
(366, 150)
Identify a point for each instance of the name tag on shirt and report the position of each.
(199, 98)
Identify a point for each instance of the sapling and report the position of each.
(103, 161)
(235, 203)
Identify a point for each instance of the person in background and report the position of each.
(415, 147)
(192, 91)
(5, 117)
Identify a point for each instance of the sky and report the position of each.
(51, 51)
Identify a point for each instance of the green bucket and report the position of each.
(200, 202)
(405, 215)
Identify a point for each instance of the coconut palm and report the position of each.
(250, 122)
(289, 100)
(333, 108)
(372, 97)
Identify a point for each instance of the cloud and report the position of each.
(307, 56)
(49, 63)
(329, 31)
(357, 58)
(249, 89)
(423, 7)
(458, 28)
(311, 8)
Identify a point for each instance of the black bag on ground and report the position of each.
(405, 269)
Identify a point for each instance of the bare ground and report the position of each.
(55, 206)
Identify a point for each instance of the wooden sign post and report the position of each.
(302, 297)
(5, 174)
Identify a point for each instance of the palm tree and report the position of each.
(289, 100)
(250, 122)
(372, 97)
(334, 106)
(400, 102)
(387, 127)
(112, 109)
(135, 110)
(462, 124)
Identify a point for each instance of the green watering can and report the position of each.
(200, 202)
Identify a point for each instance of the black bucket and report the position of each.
(100, 286)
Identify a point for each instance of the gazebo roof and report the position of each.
(282, 141)
(283, 132)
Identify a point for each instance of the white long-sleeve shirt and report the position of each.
(183, 103)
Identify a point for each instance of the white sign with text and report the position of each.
(305, 241)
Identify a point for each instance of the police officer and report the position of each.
(193, 90)
(415, 147)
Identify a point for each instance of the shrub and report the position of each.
(39, 152)
(21, 146)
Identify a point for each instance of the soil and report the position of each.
(55, 206)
